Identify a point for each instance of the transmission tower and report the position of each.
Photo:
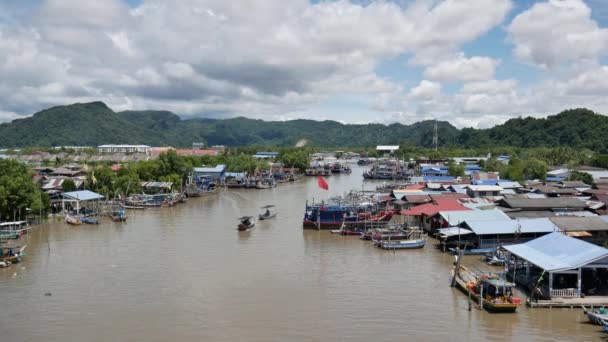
(435, 136)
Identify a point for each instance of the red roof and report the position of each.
(430, 209)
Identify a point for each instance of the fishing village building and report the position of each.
(559, 266)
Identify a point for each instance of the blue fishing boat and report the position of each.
(472, 251)
(88, 220)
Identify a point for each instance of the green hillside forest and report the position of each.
(92, 124)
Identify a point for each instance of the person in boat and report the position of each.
(267, 213)
(602, 311)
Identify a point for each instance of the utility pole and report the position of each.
(435, 136)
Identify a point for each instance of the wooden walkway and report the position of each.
(588, 302)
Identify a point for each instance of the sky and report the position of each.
(475, 63)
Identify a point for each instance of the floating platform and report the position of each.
(589, 302)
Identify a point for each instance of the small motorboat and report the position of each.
(119, 216)
(598, 316)
(246, 223)
(268, 214)
(89, 220)
(73, 220)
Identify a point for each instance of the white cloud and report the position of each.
(211, 56)
(462, 69)
(557, 31)
(426, 91)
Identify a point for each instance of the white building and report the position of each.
(124, 149)
(387, 149)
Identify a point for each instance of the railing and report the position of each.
(564, 293)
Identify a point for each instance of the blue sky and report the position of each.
(473, 63)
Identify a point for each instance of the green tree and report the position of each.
(455, 170)
(581, 176)
(17, 191)
(535, 169)
(68, 185)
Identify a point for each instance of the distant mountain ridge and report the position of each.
(93, 124)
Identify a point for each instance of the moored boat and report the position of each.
(496, 294)
(245, 224)
(13, 230)
(415, 239)
(596, 316)
(73, 220)
(12, 254)
(88, 220)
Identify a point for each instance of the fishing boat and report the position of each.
(12, 254)
(268, 214)
(496, 294)
(203, 186)
(596, 316)
(73, 220)
(246, 223)
(119, 216)
(88, 220)
(13, 230)
(472, 251)
(415, 239)
(605, 325)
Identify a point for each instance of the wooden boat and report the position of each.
(119, 216)
(415, 239)
(88, 220)
(596, 316)
(13, 230)
(12, 254)
(496, 292)
(246, 223)
(73, 220)
(268, 214)
(472, 251)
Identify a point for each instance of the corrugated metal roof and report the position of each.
(218, 169)
(538, 225)
(485, 188)
(453, 231)
(83, 195)
(156, 184)
(457, 217)
(545, 203)
(557, 252)
(431, 209)
(574, 223)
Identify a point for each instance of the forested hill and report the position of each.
(93, 124)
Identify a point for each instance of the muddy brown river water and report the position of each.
(186, 274)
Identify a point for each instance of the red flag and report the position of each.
(322, 183)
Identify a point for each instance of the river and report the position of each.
(186, 274)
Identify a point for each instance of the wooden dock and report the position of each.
(588, 302)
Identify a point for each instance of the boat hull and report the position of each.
(489, 306)
(414, 244)
(243, 227)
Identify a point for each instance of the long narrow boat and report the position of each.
(415, 238)
(605, 326)
(403, 244)
(497, 293)
(595, 316)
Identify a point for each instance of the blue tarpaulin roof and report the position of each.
(539, 225)
(556, 252)
(83, 195)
